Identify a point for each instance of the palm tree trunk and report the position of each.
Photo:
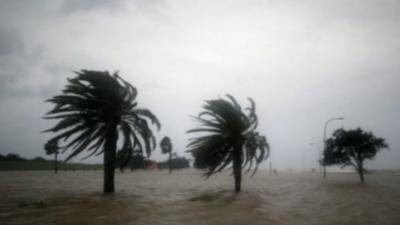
(55, 162)
(237, 167)
(110, 149)
(170, 166)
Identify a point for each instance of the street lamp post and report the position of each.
(302, 161)
(319, 155)
(326, 125)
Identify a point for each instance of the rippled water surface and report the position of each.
(184, 197)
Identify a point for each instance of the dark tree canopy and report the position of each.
(228, 135)
(352, 148)
(94, 110)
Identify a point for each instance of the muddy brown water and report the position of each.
(185, 198)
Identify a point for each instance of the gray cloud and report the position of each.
(70, 6)
(301, 62)
(10, 42)
(83, 6)
(17, 64)
(11, 50)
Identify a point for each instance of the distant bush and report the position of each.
(12, 157)
(176, 163)
(13, 161)
(39, 159)
(46, 165)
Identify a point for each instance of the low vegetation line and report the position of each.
(22, 166)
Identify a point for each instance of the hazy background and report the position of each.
(303, 62)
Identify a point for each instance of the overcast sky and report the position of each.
(303, 62)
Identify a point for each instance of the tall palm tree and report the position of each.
(166, 147)
(94, 109)
(228, 136)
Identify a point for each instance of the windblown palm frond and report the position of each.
(93, 105)
(228, 136)
(51, 147)
(166, 145)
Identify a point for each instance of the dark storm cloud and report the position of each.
(315, 58)
(148, 6)
(11, 48)
(16, 63)
(70, 6)
(369, 11)
(10, 42)
(12, 84)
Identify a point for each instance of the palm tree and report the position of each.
(166, 147)
(229, 136)
(51, 147)
(96, 108)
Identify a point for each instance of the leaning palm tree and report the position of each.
(228, 136)
(166, 147)
(51, 147)
(96, 108)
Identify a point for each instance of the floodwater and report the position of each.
(185, 198)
